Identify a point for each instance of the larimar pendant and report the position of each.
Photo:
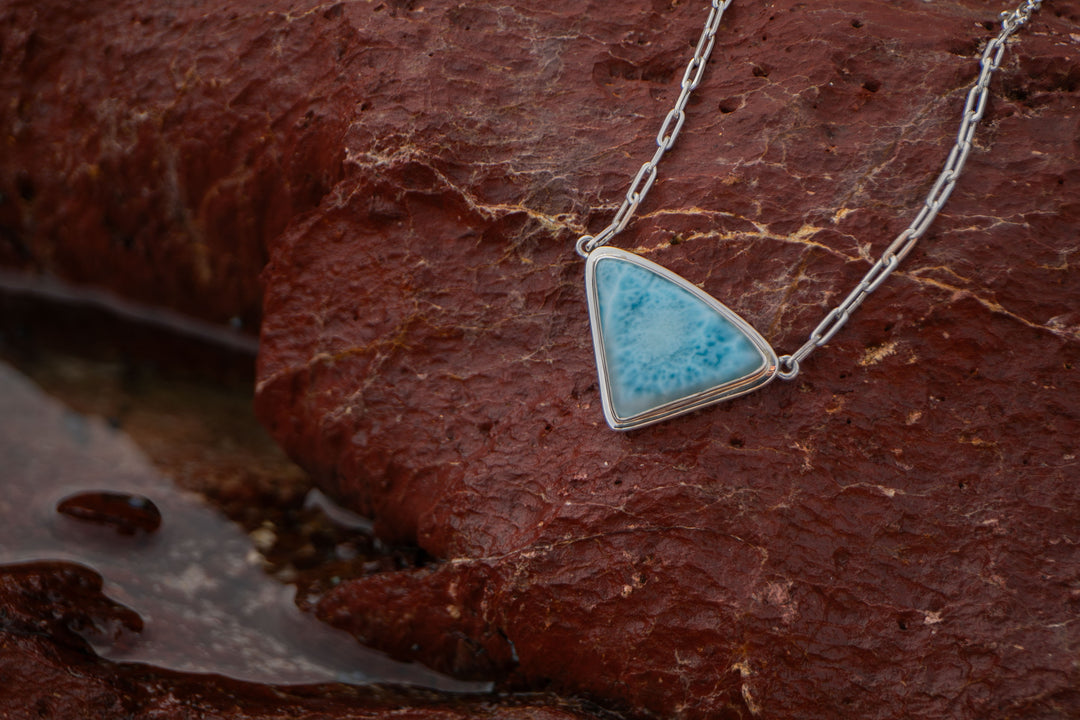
(663, 346)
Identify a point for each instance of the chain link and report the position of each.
(974, 107)
(665, 139)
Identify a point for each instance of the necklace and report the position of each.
(663, 346)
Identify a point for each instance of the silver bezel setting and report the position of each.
(732, 389)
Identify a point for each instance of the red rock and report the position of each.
(892, 535)
(411, 613)
(157, 150)
(63, 601)
(48, 672)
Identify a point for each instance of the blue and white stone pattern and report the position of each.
(661, 342)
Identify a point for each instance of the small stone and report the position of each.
(125, 513)
(264, 538)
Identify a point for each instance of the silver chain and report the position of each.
(898, 249)
(665, 139)
(974, 107)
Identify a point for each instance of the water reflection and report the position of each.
(197, 582)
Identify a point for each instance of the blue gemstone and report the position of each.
(662, 342)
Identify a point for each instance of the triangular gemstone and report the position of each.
(663, 346)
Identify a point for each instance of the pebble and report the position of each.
(125, 513)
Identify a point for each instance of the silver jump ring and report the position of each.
(583, 245)
(789, 367)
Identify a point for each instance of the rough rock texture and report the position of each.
(48, 669)
(157, 148)
(894, 534)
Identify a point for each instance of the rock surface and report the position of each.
(50, 671)
(158, 149)
(893, 534)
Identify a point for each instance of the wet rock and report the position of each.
(125, 513)
(205, 589)
(64, 602)
(48, 671)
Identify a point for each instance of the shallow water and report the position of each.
(211, 601)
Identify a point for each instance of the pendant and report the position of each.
(664, 347)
